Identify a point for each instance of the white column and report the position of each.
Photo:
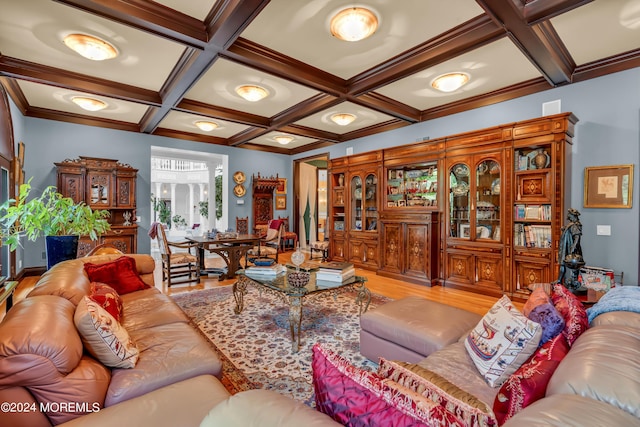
(191, 205)
(203, 220)
(173, 202)
(157, 196)
(213, 223)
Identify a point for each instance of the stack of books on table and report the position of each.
(265, 272)
(335, 272)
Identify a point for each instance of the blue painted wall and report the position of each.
(608, 133)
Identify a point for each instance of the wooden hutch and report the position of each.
(480, 211)
(103, 184)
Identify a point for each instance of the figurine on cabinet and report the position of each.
(570, 251)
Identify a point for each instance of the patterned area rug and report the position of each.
(258, 343)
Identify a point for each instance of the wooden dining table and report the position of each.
(231, 250)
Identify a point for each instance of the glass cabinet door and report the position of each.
(487, 204)
(356, 203)
(370, 195)
(459, 219)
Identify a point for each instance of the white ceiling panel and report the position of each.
(185, 122)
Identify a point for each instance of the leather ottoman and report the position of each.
(412, 328)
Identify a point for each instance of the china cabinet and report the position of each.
(480, 211)
(103, 184)
(354, 211)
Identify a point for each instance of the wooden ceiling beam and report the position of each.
(207, 110)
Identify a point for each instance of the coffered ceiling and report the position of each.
(180, 61)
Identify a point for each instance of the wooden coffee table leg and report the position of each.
(295, 321)
(239, 289)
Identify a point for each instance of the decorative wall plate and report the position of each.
(239, 177)
(239, 190)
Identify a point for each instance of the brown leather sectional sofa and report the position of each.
(46, 377)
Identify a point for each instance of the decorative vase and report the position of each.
(540, 160)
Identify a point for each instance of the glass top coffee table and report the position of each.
(294, 297)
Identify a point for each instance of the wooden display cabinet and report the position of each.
(103, 184)
(475, 249)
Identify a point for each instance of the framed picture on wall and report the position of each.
(282, 186)
(608, 186)
(281, 203)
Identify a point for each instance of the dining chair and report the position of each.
(181, 266)
(269, 245)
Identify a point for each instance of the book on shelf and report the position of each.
(532, 235)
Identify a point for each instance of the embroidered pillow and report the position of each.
(121, 274)
(572, 311)
(551, 321)
(502, 341)
(353, 396)
(468, 408)
(529, 382)
(103, 336)
(108, 299)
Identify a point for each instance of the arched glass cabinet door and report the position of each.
(487, 204)
(459, 219)
(370, 201)
(356, 203)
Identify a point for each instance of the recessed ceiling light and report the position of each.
(283, 139)
(89, 104)
(450, 81)
(206, 126)
(354, 24)
(90, 47)
(343, 119)
(252, 93)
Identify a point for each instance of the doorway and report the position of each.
(311, 198)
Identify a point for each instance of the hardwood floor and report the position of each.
(391, 288)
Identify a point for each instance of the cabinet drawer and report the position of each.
(533, 187)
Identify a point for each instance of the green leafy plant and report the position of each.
(179, 221)
(204, 208)
(49, 214)
(161, 208)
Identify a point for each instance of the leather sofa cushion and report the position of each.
(620, 318)
(148, 308)
(181, 404)
(603, 365)
(454, 364)
(259, 408)
(168, 354)
(571, 410)
(418, 324)
(37, 340)
(68, 279)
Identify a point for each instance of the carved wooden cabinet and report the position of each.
(410, 247)
(480, 211)
(103, 184)
(354, 209)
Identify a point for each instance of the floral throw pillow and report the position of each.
(572, 311)
(529, 382)
(108, 299)
(502, 341)
(103, 336)
(355, 397)
(121, 274)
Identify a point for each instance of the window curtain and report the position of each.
(308, 180)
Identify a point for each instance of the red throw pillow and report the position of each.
(572, 311)
(529, 382)
(355, 397)
(121, 274)
(108, 298)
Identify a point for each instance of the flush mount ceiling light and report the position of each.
(252, 93)
(354, 24)
(90, 47)
(343, 119)
(450, 81)
(206, 126)
(283, 139)
(89, 104)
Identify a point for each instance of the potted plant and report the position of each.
(163, 211)
(61, 220)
